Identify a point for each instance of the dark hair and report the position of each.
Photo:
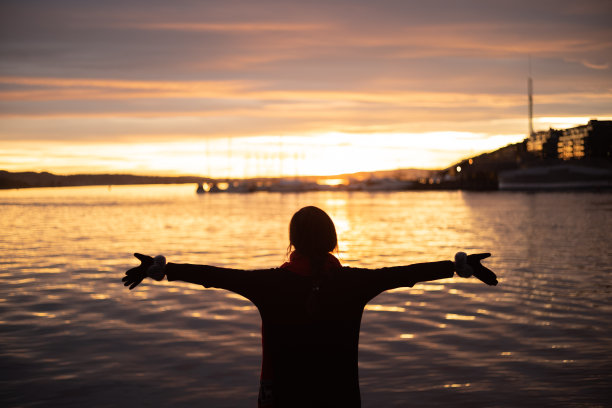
(312, 233)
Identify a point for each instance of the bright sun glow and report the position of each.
(260, 156)
(333, 182)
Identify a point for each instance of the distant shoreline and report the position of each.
(18, 180)
(30, 179)
(485, 172)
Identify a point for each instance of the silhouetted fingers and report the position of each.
(486, 275)
(143, 258)
(133, 271)
(135, 283)
(480, 256)
(128, 280)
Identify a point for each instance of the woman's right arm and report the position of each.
(240, 281)
(236, 280)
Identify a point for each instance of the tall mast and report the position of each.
(530, 97)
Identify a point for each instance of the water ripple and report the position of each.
(73, 333)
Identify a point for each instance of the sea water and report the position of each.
(72, 335)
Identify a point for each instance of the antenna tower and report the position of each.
(530, 97)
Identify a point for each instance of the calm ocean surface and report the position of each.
(73, 336)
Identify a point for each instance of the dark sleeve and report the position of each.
(376, 281)
(245, 283)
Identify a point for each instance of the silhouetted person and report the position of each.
(311, 309)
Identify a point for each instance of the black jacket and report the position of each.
(312, 350)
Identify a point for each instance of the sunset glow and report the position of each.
(245, 90)
(324, 154)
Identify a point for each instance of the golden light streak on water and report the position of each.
(457, 385)
(452, 316)
(382, 308)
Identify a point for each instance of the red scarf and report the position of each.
(300, 264)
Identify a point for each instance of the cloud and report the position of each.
(249, 28)
(71, 109)
(205, 40)
(40, 88)
(592, 65)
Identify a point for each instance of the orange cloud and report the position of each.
(168, 86)
(84, 89)
(230, 27)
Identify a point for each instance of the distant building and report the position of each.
(593, 140)
(543, 144)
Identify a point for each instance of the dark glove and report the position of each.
(134, 276)
(484, 274)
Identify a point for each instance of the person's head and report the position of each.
(312, 232)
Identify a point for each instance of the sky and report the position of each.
(267, 88)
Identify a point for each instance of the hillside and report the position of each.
(45, 179)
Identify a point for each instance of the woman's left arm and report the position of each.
(408, 275)
(379, 280)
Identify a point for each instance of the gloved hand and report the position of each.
(468, 265)
(151, 267)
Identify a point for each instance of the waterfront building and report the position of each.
(543, 144)
(593, 140)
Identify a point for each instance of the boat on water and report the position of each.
(557, 177)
